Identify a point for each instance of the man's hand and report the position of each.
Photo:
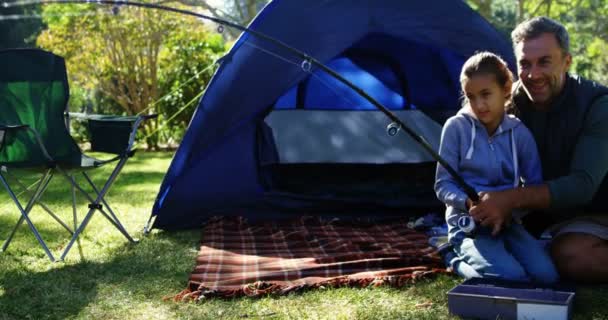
(493, 210)
(469, 204)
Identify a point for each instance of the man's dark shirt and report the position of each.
(572, 138)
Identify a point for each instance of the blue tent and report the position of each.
(272, 137)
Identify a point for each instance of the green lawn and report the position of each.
(110, 279)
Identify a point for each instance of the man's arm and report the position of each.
(589, 161)
(588, 168)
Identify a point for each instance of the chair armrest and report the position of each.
(6, 133)
(112, 133)
(10, 127)
(6, 137)
(103, 117)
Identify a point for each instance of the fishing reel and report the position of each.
(467, 224)
(392, 129)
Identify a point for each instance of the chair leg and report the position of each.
(42, 205)
(37, 194)
(24, 212)
(95, 205)
(83, 225)
(113, 219)
(74, 212)
(75, 218)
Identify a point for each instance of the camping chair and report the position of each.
(34, 136)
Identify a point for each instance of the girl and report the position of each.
(492, 151)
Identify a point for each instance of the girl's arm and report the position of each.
(446, 188)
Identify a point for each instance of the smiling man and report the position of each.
(568, 117)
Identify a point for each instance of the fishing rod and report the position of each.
(307, 62)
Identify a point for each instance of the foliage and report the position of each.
(186, 65)
(244, 11)
(238, 11)
(588, 28)
(123, 59)
(585, 20)
(114, 56)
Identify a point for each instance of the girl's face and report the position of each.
(487, 99)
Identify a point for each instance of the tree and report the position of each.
(588, 29)
(113, 54)
(238, 11)
(584, 19)
(503, 14)
(187, 64)
(483, 7)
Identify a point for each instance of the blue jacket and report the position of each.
(486, 163)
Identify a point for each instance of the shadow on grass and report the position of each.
(33, 287)
(135, 275)
(49, 233)
(59, 189)
(145, 271)
(591, 302)
(55, 236)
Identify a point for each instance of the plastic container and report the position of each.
(494, 299)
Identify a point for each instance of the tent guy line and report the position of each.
(307, 61)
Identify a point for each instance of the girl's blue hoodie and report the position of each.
(487, 163)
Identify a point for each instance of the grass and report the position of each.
(107, 278)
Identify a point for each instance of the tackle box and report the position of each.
(497, 299)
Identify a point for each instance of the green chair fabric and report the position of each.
(35, 94)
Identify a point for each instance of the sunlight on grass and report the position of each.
(105, 277)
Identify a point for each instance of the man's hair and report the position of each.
(533, 28)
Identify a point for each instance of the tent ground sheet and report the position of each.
(240, 258)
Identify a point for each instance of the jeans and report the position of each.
(512, 255)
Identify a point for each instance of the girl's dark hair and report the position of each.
(488, 63)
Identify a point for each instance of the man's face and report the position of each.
(542, 66)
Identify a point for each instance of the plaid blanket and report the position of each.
(238, 258)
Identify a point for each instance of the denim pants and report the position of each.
(512, 255)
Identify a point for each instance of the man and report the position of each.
(568, 117)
